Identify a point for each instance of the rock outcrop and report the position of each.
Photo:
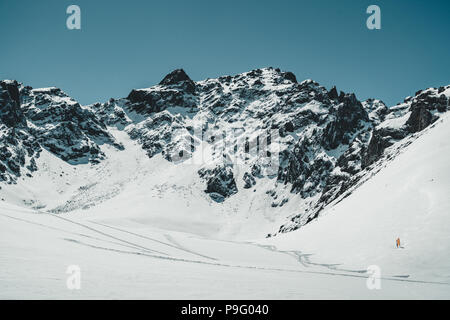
(263, 124)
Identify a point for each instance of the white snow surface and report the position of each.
(135, 235)
(409, 199)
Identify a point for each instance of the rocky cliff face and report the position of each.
(386, 127)
(32, 119)
(326, 138)
(315, 143)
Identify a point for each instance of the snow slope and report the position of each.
(132, 254)
(129, 185)
(131, 260)
(121, 157)
(409, 198)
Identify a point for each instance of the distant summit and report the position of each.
(175, 77)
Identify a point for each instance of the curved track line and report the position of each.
(250, 267)
(69, 232)
(155, 240)
(106, 235)
(166, 257)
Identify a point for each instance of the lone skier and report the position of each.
(397, 242)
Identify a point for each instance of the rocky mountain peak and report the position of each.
(333, 94)
(327, 140)
(176, 76)
(10, 112)
(47, 118)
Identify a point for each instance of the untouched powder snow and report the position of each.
(408, 199)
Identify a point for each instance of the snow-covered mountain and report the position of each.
(177, 186)
(325, 144)
(408, 199)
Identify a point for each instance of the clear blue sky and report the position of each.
(133, 44)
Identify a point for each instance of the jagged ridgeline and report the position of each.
(326, 140)
(32, 119)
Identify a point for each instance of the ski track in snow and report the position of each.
(177, 246)
(66, 231)
(302, 258)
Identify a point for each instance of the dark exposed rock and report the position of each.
(14, 167)
(422, 106)
(375, 149)
(176, 84)
(175, 77)
(376, 109)
(249, 180)
(256, 171)
(74, 134)
(180, 78)
(333, 94)
(10, 112)
(46, 118)
(348, 117)
(12, 88)
(219, 180)
(420, 118)
(289, 126)
(32, 166)
(290, 76)
(396, 134)
(148, 102)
